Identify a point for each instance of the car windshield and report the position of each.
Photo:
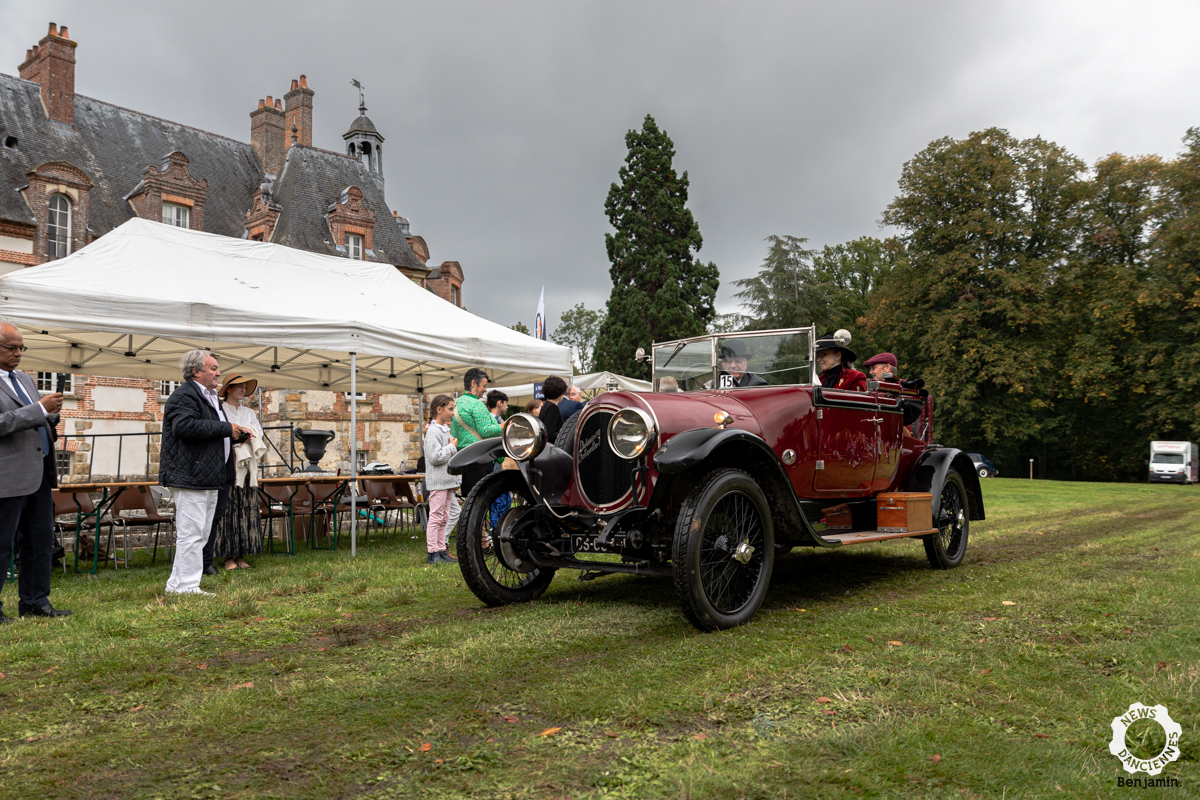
(734, 361)
(1167, 458)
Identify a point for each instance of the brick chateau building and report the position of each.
(73, 168)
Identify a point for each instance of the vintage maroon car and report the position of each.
(706, 485)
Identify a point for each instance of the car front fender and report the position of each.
(474, 456)
(550, 473)
(685, 450)
(929, 473)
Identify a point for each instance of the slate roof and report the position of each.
(310, 181)
(114, 146)
(362, 124)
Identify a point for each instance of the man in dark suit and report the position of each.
(196, 463)
(571, 404)
(27, 475)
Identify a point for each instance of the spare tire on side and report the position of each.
(566, 434)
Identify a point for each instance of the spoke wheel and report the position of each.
(491, 569)
(946, 548)
(724, 550)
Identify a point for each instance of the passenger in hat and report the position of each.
(236, 532)
(734, 363)
(836, 362)
(881, 365)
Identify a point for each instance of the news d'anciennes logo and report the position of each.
(1153, 765)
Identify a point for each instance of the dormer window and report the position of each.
(454, 298)
(354, 246)
(176, 214)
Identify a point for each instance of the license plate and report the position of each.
(586, 543)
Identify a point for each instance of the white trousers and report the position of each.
(194, 509)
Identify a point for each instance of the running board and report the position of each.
(862, 537)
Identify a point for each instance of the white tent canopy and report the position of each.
(589, 384)
(131, 303)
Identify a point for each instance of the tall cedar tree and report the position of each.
(786, 292)
(660, 290)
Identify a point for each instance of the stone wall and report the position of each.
(389, 428)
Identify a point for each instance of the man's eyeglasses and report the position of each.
(15, 348)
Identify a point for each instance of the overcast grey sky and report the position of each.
(505, 122)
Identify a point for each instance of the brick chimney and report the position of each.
(267, 135)
(299, 113)
(51, 64)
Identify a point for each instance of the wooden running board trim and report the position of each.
(862, 537)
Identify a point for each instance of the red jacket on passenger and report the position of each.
(851, 380)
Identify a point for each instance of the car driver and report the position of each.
(734, 362)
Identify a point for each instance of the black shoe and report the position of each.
(432, 558)
(4, 620)
(446, 558)
(210, 570)
(46, 611)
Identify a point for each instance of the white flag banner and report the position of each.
(539, 323)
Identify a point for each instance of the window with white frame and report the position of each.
(47, 382)
(176, 214)
(167, 388)
(354, 246)
(454, 298)
(360, 397)
(58, 227)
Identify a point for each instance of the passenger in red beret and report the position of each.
(884, 363)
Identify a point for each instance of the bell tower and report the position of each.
(364, 142)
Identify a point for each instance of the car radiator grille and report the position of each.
(604, 477)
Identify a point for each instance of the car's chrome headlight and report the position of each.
(630, 432)
(524, 436)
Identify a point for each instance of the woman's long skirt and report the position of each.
(238, 533)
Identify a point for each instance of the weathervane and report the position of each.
(362, 103)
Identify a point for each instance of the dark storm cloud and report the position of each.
(505, 123)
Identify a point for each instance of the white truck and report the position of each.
(1174, 462)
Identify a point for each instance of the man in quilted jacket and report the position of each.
(196, 461)
(472, 422)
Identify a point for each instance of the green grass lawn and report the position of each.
(865, 674)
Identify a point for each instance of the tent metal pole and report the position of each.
(353, 455)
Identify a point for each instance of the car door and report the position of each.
(889, 426)
(847, 441)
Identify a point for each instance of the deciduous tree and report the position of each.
(988, 223)
(578, 328)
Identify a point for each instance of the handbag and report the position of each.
(87, 549)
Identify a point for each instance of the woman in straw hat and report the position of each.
(238, 534)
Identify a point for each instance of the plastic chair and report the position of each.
(322, 500)
(81, 506)
(275, 502)
(381, 498)
(142, 509)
